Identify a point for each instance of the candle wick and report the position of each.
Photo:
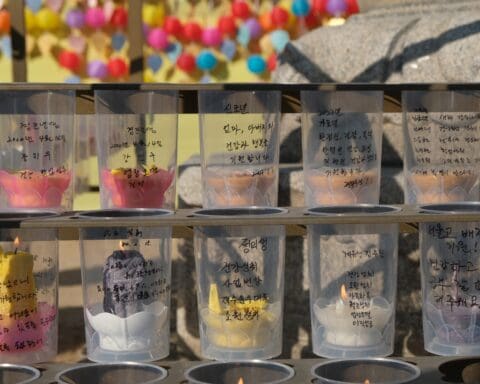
(15, 251)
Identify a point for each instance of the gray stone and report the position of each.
(418, 42)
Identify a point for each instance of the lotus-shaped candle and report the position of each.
(227, 187)
(136, 188)
(240, 324)
(133, 333)
(30, 189)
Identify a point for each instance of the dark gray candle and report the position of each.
(123, 283)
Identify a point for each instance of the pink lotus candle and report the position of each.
(137, 188)
(32, 189)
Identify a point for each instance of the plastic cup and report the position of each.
(126, 287)
(353, 280)
(137, 148)
(450, 281)
(84, 125)
(259, 372)
(126, 372)
(28, 290)
(441, 138)
(36, 149)
(239, 147)
(342, 146)
(240, 286)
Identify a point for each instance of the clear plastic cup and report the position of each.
(441, 135)
(28, 290)
(240, 286)
(342, 146)
(353, 282)
(126, 287)
(239, 147)
(137, 148)
(36, 150)
(450, 260)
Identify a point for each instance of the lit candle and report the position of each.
(345, 325)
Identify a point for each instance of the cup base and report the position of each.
(442, 349)
(332, 351)
(226, 354)
(99, 355)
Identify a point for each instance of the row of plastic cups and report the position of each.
(246, 371)
(136, 134)
(126, 282)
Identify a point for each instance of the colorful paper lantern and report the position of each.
(186, 62)
(300, 8)
(336, 7)
(240, 9)
(227, 25)
(272, 62)
(256, 64)
(4, 21)
(319, 6)
(192, 31)
(119, 18)
(153, 15)
(173, 26)
(75, 18)
(279, 39)
(95, 17)
(265, 20)
(157, 38)
(352, 7)
(69, 60)
(206, 60)
(279, 16)
(30, 23)
(97, 69)
(117, 67)
(254, 27)
(47, 20)
(211, 37)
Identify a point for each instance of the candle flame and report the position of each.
(240, 381)
(343, 293)
(366, 381)
(121, 245)
(16, 242)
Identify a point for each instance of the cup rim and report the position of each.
(415, 371)
(451, 208)
(161, 370)
(288, 370)
(34, 371)
(353, 210)
(130, 213)
(249, 211)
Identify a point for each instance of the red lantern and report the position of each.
(272, 62)
(227, 26)
(352, 7)
(117, 67)
(279, 16)
(311, 20)
(186, 62)
(119, 17)
(319, 6)
(4, 21)
(192, 31)
(69, 60)
(173, 26)
(240, 9)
